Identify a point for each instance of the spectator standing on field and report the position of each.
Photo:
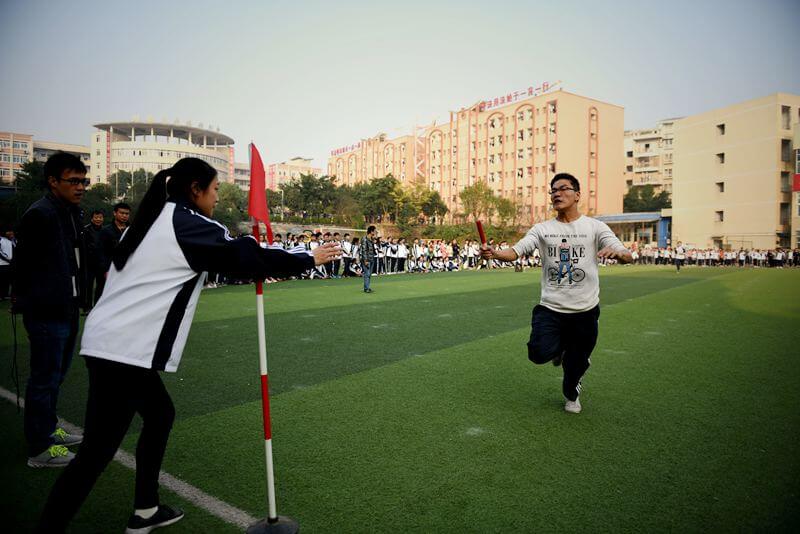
(6, 255)
(111, 234)
(95, 269)
(366, 251)
(48, 284)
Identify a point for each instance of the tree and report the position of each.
(98, 197)
(477, 200)
(346, 209)
(29, 186)
(506, 211)
(119, 182)
(434, 206)
(309, 196)
(643, 198)
(378, 198)
(231, 207)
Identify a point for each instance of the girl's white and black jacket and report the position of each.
(144, 314)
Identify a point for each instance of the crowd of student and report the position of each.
(717, 257)
(393, 255)
(396, 255)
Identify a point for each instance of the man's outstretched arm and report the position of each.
(489, 253)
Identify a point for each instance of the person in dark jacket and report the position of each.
(111, 234)
(366, 254)
(95, 270)
(48, 285)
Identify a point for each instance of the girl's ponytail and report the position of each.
(173, 183)
(149, 209)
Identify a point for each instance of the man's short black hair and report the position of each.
(370, 228)
(278, 236)
(95, 212)
(346, 235)
(60, 162)
(122, 206)
(566, 176)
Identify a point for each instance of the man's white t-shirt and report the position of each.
(575, 245)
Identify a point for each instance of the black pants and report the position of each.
(116, 392)
(573, 334)
(336, 266)
(94, 287)
(5, 280)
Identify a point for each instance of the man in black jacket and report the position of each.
(48, 284)
(95, 269)
(111, 234)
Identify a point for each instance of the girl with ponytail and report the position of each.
(140, 325)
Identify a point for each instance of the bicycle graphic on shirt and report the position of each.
(565, 268)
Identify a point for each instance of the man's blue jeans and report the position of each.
(52, 346)
(367, 273)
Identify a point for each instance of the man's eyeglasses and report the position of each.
(561, 190)
(77, 181)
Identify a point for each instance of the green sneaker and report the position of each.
(62, 437)
(54, 456)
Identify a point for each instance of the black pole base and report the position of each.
(281, 525)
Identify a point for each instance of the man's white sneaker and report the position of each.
(54, 456)
(62, 437)
(573, 406)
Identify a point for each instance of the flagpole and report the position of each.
(273, 523)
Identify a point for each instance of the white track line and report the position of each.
(212, 505)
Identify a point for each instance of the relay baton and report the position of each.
(481, 232)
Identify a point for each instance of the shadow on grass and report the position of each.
(219, 368)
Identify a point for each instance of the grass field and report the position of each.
(415, 409)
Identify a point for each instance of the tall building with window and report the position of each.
(241, 176)
(515, 144)
(44, 149)
(796, 189)
(155, 146)
(732, 185)
(15, 150)
(649, 157)
(286, 171)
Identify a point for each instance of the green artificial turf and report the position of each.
(415, 408)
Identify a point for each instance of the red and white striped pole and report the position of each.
(273, 524)
(262, 363)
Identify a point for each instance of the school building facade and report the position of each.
(733, 175)
(515, 144)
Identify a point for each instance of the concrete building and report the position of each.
(44, 149)
(241, 176)
(649, 157)
(514, 143)
(15, 150)
(286, 171)
(796, 189)
(732, 182)
(154, 146)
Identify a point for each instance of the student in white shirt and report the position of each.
(564, 324)
(680, 256)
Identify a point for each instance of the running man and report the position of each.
(564, 323)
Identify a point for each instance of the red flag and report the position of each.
(257, 202)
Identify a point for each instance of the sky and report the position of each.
(301, 78)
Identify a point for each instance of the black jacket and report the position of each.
(48, 283)
(94, 255)
(109, 239)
